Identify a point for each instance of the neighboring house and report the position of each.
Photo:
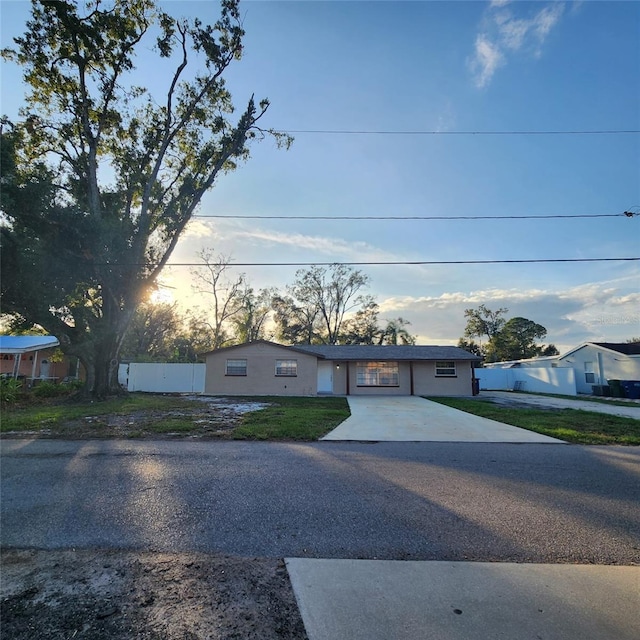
(594, 363)
(267, 368)
(28, 356)
(597, 362)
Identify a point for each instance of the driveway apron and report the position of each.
(414, 419)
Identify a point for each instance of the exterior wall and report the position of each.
(560, 380)
(260, 379)
(611, 366)
(340, 378)
(426, 383)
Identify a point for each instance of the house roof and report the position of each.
(624, 348)
(25, 344)
(506, 364)
(386, 352)
(346, 352)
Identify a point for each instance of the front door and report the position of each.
(325, 377)
(44, 369)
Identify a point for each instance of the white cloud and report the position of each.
(197, 228)
(591, 311)
(503, 32)
(487, 59)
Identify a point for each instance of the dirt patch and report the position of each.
(195, 417)
(116, 595)
(515, 403)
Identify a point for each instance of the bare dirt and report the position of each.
(118, 595)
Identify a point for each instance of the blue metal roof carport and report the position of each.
(19, 345)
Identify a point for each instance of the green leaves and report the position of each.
(113, 171)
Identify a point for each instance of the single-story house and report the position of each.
(594, 363)
(32, 358)
(27, 356)
(268, 368)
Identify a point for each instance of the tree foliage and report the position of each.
(513, 339)
(116, 171)
(316, 304)
(161, 333)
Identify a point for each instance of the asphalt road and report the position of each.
(418, 501)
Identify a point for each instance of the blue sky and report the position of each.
(441, 67)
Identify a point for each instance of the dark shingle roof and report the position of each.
(386, 352)
(627, 348)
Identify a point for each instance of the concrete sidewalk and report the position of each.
(396, 600)
(414, 419)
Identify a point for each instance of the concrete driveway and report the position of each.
(414, 419)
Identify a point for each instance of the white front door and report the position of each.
(44, 369)
(325, 377)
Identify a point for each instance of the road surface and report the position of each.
(417, 501)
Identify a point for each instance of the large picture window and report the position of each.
(287, 368)
(445, 368)
(236, 368)
(377, 374)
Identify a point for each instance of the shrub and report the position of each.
(49, 390)
(9, 389)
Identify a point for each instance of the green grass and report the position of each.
(284, 419)
(51, 414)
(289, 418)
(571, 425)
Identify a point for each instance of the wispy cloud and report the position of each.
(504, 31)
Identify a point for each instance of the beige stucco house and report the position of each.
(267, 368)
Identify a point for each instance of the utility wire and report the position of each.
(391, 262)
(460, 133)
(627, 214)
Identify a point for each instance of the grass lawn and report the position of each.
(140, 415)
(293, 419)
(571, 425)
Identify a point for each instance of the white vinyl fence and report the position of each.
(539, 380)
(160, 377)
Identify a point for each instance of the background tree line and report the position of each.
(323, 305)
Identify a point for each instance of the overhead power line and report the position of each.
(390, 263)
(627, 214)
(579, 132)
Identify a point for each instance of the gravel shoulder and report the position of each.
(116, 595)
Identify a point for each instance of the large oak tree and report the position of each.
(118, 170)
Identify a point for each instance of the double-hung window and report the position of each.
(445, 368)
(236, 367)
(287, 368)
(589, 373)
(377, 374)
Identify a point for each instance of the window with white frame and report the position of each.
(377, 374)
(236, 367)
(287, 368)
(445, 368)
(589, 373)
